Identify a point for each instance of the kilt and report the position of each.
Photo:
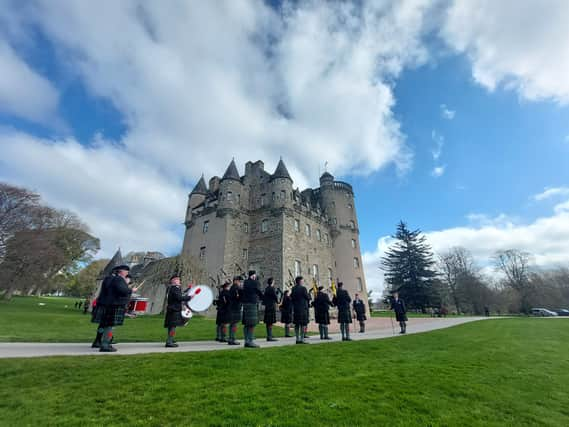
(250, 314)
(286, 316)
(361, 317)
(235, 315)
(401, 317)
(322, 317)
(270, 317)
(223, 316)
(109, 315)
(344, 315)
(300, 316)
(173, 318)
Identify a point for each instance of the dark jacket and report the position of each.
(117, 291)
(234, 304)
(251, 293)
(322, 306)
(104, 291)
(270, 301)
(286, 310)
(300, 303)
(400, 310)
(223, 312)
(360, 309)
(174, 307)
(342, 301)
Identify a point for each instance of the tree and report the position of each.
(408, 267)
(456, 267)
(514, 264)
(84, 283)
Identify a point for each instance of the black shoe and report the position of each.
(327, 338)
(171, 344)
(306, 337)
(289, 336)
(96, 344)
(233, 343)
(251, 345)
(109, 349)
(272, 339)
(223, 340)
(348, 339)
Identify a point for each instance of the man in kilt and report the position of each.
(249, 298)
(322, 306)
(96, 317)
(234, 309)
(223, 315)
(342, 301)
(270, 301)
(174, 309)
(360, 311)
(286, 313)
(111, 306)
(300, 304)
(398, 306)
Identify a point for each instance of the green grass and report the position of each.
(511, 372)
(23, 320)
(389, 313)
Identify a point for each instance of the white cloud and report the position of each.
(438, 171)
(545, 238)
(23, 92)
(439, 141)
(518, 45)
(199, 83)
(548, 193)
(446, 113)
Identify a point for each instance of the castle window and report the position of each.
(350, 206)
(315, 272)
(319, 235)
(229, 196)
(205, 226)
(326, 238)
(330, 276)
(297, 268)
(202, 252)
(283, 194)
(296, 225)
(239, 199)
(263, 199)
(352, 225)
(307, 229)
(274, 196)
(334, 221)
(359, 286)
(264, 226)
(356, 263)
(354, 243)
(245, 227)
(245, 253)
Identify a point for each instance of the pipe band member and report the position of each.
(342, 301)
(174, 309)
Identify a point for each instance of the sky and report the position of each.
(450, 115)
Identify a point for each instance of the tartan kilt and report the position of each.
(322, 317)
(173, 318)
(96, 314)
(301, 317)
(109, 315)
(401, 317)
(270, 317)
(250, 315)
(344, 315)
(361, 317)
(235, 315)
(286, 316)
(223, 316)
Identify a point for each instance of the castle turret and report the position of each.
(196, 197)
(230, 188)
(281, 186)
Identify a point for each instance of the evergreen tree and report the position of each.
(408, 266)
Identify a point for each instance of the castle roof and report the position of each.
(115, 261)
(232, 172)
(281, 171)
(200, 187)
(327, 175)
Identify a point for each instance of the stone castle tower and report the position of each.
(258, 221)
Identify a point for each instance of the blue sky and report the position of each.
(446, 114)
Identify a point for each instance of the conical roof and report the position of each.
(281, 171)
(115, 261)
(232, 172)
(200, 187)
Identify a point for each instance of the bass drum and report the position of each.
(202, 298)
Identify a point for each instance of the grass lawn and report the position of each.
(23, 319)
(389, 313)
(511, 372)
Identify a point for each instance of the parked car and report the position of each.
(562, 312)
(542, 312)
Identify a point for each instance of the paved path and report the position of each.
(378, 328)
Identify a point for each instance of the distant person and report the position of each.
(234, 309)
(398, 306)
(113, 307)
(270, 301)
(360, 311)
(250, 296)
(223, 313)
(86, 305)
(322, 306)
(79, 305)
(300, 304)
(486, 311)
(173, 316)
(286, 313)
(342, 301)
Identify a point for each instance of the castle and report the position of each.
(259, 222)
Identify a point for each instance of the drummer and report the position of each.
(174, 309)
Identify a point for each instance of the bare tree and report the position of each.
(515, 265)
(455, 266)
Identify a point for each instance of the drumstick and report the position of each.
(140, 286)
